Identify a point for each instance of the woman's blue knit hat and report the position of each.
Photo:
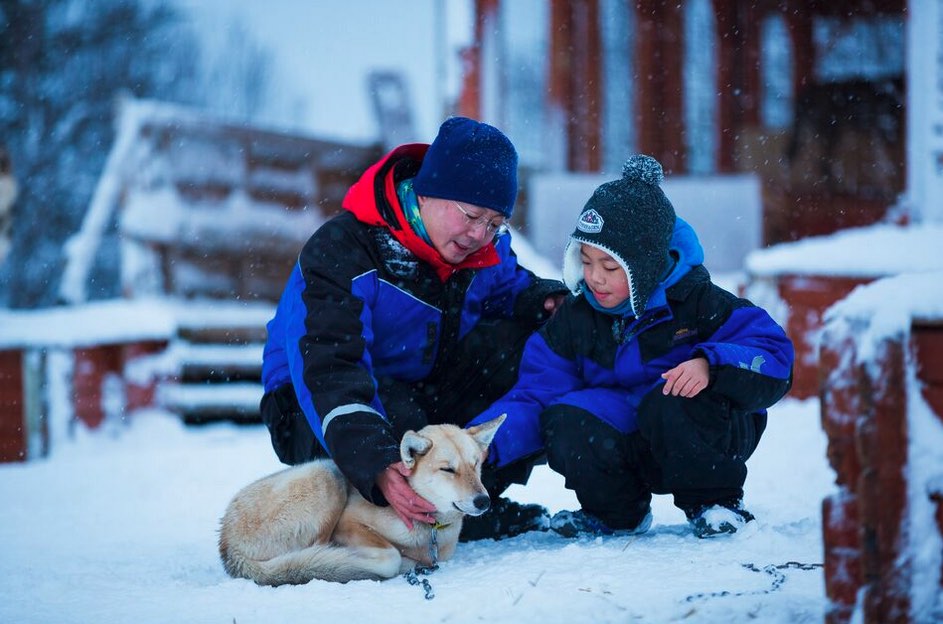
(470, 162)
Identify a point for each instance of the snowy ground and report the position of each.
(121, 527)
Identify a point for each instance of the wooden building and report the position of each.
(824, 132)
(90, 364)
(205, 218)
(201, 208)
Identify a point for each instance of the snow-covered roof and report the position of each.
(890, 305)
(869, 252)
(206, 207)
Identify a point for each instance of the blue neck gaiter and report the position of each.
(621, 310)
(409, 201)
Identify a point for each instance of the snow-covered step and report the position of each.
(202, 402)
(218, 362)
(225, 334)
(223, 322)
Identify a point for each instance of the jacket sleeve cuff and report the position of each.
(747, 390)
(530, 303)
(362, 445)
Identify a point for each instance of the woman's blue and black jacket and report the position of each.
(368, 299)
(590, 359)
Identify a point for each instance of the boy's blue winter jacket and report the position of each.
(604, 365)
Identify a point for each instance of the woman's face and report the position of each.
(456, 229)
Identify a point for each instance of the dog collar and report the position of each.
(438, 525)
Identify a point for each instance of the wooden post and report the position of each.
(799, 26)
(92, 367)
(141, 391)
(659, 109)
(574, 86)
(470, 98)
(840, 521)
(808, 297)
(24, 426)
(738, 75)
(557, 140)
(871, 530)
(12, 429)
(882, 441)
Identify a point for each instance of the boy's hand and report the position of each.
(687, 379)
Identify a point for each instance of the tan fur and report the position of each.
(307, 522)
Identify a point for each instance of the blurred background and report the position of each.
(807, 96)
(298, 67)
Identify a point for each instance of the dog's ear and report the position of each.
(412, 446)
(484, 432)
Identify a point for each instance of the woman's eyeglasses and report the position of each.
(493, 228)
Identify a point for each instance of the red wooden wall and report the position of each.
(808, 297)
(94, 364)
(659, 93)
(91, 367)
(575, 81)
(13, 435)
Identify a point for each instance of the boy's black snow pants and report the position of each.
(695, 449)
(482, 367)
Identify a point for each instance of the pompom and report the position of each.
(644, 169)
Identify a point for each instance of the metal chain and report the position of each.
(773, 570)
(412, 577)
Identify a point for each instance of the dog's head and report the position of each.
(446, 465)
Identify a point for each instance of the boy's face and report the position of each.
(604, 277)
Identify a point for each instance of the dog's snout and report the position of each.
(482, 502)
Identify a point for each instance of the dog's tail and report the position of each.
(327, 562)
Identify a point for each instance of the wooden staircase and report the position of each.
(216, 363)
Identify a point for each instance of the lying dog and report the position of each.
(307, 522)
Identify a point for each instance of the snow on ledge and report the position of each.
(106, 322)
(873, 251)
(122, 320)
(889, 306)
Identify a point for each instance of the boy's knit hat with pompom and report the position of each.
(632, 220)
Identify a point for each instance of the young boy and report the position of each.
(649, 378)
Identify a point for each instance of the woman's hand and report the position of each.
(402, 498)
(553, 302)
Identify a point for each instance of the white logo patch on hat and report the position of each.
(590, 222)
